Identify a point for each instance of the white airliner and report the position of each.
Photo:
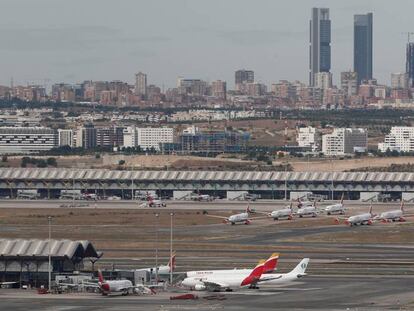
(307, 211)
(338, 208)
(269, 266)
(283, 278)
(361, 219)
(225, 281)
(163, 269)
(114, 286)
(153, 203)
(395, 215)
(285, 213)
(237, 218)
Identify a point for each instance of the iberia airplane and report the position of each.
(394, 215)
(269, 266)
(225, 281)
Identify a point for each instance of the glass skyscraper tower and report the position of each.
(363, 46)
(320, 43)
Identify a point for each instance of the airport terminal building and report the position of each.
(26, 262)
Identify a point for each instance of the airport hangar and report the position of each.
(269, 184)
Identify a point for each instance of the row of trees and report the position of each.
(38, 162)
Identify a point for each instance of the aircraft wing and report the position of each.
(260, 217)
(269, 278)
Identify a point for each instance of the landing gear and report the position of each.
(232, 223)
(228, 290)
(275, 218)
(328, 213)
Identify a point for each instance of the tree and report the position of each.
(4, 158)
(121, 162)
(97, 156)
(41, 163)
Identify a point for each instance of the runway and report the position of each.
(310, 293)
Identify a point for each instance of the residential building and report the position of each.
(323, 80)
(110, 136)
(16, 140)
(308, 137)
(399, 80)
(148, 137)
(86, 137)
(344, 141)
(65, 138)
(244, 76)
(194, 87)
(219, 89)
(141, 85)
(349, 83)
(284, 89)
(363, 46)
(400, 138)
(320, 43)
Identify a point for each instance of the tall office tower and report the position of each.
(141, 84)
(363, 46)
(244, 76)
(320, 43)
(410, 63)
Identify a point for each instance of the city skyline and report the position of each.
(165, 40)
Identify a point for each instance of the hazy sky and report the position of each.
(75, 40)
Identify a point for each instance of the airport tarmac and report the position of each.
(310, 293)
(219, 205)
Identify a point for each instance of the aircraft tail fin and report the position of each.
(402, 205)
(271, 263)
(100, 277)
(255, 275)
(300, 269)
(370, 209)
(342, 198)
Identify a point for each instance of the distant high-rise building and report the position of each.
(399, 80)
(244, 76)
(349, 83)
(323, 80)
(410, 63)
(65, 137)
(141, 84)
(320, 43)
(363, 46)
(219, 89)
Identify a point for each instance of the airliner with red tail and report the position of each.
(225, 281)
(395, 215)
(361, 219)
(124, 287)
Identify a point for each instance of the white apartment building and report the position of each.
(345, 141)
(308, 137)
(323, 80)
(400, 138)
(15, 140)
(148, 137)
(65, 138)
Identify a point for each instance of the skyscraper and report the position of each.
(320, 43)
(363, 46)
(141, 85)
(410, 63)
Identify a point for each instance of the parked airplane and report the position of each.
(394, 215)
(114, 286)
(225, 281)
(163, 269)
(269, 266)
(236, 218)
(201, 197)
(361, 219)
(338, 208)
(153, 203)
(283, 278)
(307, 211)
(285, 213)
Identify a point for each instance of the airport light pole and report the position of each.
(286, 164)
(157, 216)
(171, 245)
(49, 220)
